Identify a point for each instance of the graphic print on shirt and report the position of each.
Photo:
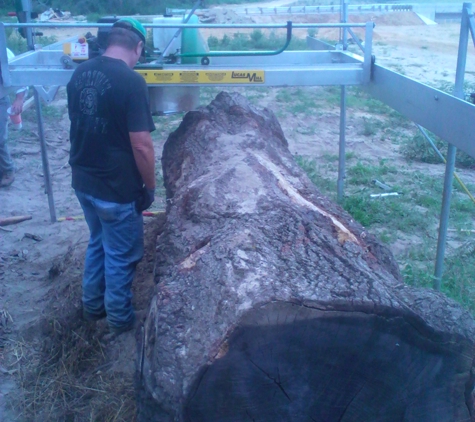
(88, 101)
(91, 85)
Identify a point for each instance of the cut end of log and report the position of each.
(290, 362)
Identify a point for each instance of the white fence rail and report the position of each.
(307, 9)
(428, 9)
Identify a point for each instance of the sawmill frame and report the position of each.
(447, 116)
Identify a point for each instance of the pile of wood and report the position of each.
(272, 304)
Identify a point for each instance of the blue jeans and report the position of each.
(6, 163)
(115, 247)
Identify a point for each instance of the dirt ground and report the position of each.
(40, 279)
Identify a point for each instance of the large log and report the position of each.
(272, 304)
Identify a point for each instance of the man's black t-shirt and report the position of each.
(106, 101)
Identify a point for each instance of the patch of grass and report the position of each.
(427, 200)
(330, 157)
(411, 217)
(256, 40)
(364, 174)
(391, 212)
(360, 174)
(387, 236)
(370, 126)
(165, 125)
(312, 32)
(207, 94)
(418, 275)
(298, 100)
(365, 210)
(46, 40)
(17, 43)
(417, 148)
(446, 86)
(460, 206)
(53, 112)
(331, 95)
(254, 95)
(458, 276)
(93, 17)
(459, 267)
(357, 99)
(316, 175)
(300, 108)
(284, 95)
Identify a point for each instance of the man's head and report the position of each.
(128, 34)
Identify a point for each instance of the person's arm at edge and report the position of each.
(17, 105)
(144, 154)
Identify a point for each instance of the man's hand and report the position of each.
(145, 200)
(17, 105)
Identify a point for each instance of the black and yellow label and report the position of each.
(203, 76)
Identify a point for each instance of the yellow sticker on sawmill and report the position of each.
(202, 76)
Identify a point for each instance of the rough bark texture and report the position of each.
(272, 304)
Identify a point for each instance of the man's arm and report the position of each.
(142, 147)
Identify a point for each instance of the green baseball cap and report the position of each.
(132, 25)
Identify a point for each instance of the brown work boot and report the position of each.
(7, 179)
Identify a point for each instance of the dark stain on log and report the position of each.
(288, 362)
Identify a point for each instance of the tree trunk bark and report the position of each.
(272, 304)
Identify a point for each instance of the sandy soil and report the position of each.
(426, 53)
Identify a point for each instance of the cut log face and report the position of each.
(302, 364)
(272, 304)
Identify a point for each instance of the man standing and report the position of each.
(7, 169)
(113, 170)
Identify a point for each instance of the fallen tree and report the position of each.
(272, 304)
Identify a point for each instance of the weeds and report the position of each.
(364, 174)
(312, 32)
(459, 268)
(316, 175)
(370, 126)
(283, 96)
(411, 217)
(17, 43)
(417, 148)
(256, 40)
